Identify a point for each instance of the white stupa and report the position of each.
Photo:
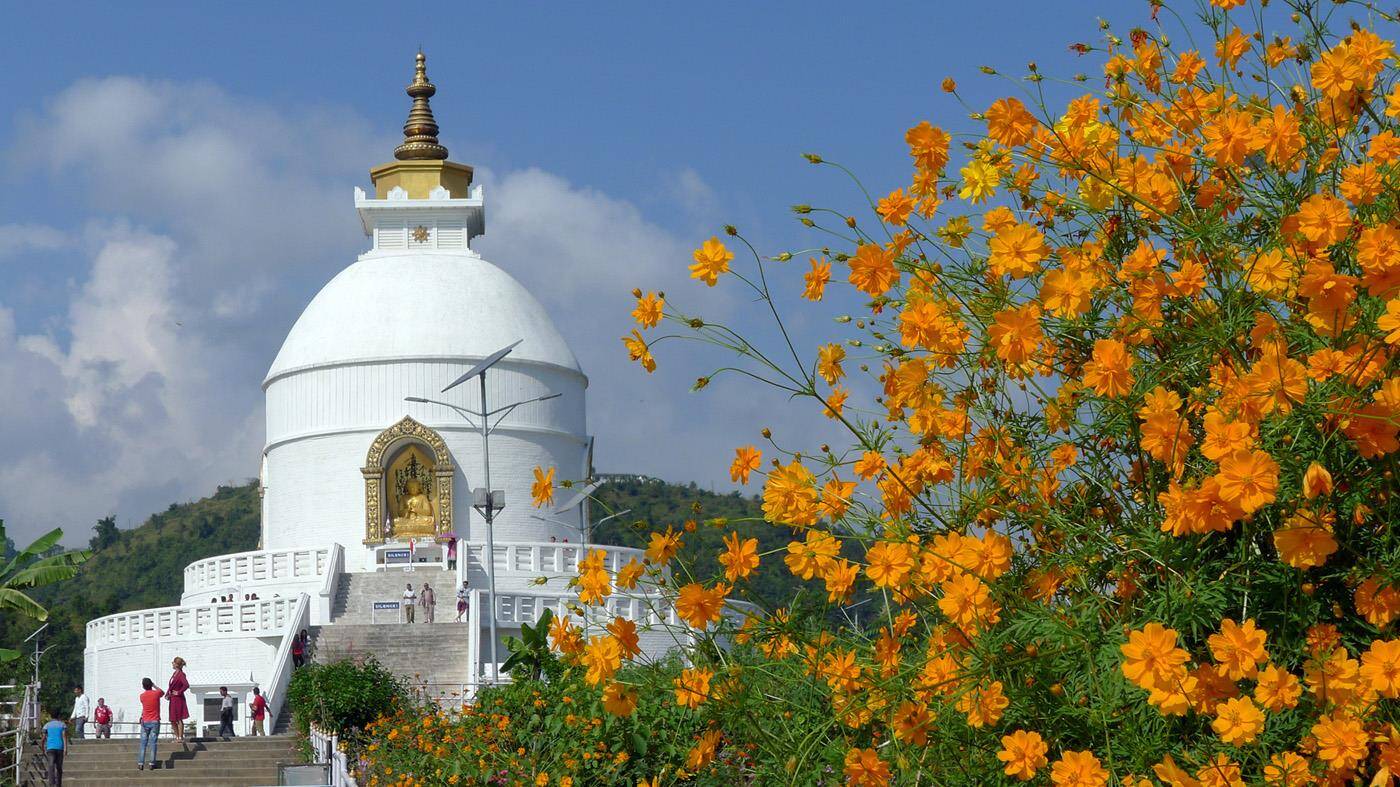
(364, 491)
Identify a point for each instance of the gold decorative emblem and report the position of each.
(420, 234)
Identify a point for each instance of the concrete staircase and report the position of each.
(356, 593)
(433, 658)
(241, 762)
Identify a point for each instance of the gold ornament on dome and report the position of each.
(408, 484)
(420, 234)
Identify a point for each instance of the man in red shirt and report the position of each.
(259, 706)
(150, 722)
(102, 717)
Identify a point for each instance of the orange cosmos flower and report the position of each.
(1380, 667)
(692, 687)
(1277, 689)
(967, 601)
(664, 546)
(910, 723)
(1078, 769)
(1341, 741)
(815, 280)
(542, 491)
(1238, 721)
(649, 309)
(1287, 770)
(790, 496)
(619, 700)
(1378, 603)
(637, 350)
(928, 146)
(700, 606)
(1390, 321)
(625, 632)
(1024, 754)
(1016, 251)
(829, 358)
(1009, 123)
(872, 269)
(1238, 649)
(1109, 373)
(983, 704)
(1306, 540)
(889, 563)
(1316, 481)
(746, 460)
(1015, 334)
(711, 259)
(864, 768)
(629, 574)
(739, 558)
(1249, 479)
(601, 658)
(840, 578)
(1324, 220)
(895, 208)
(1151, 657)
(807, 559)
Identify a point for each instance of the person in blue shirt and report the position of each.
(55, 744)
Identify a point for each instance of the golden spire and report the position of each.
(420, 130)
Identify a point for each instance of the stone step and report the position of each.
(202, 761)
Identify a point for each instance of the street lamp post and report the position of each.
(489, 502)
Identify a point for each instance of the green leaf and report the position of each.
(13, 600)
(8, 655)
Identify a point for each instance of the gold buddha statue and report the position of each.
(415, 519)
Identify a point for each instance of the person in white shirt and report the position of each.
(408, 598)
(81, 708)
(225, 714)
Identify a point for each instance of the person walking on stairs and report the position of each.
(259, 706)
(428, 599)
(55, 744)
(409, 598)
(463, 593)
(225, 714)
(150, 723)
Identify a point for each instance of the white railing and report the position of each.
(326, 745)
(265, 618)
(275, 689)
(474, 638)
(514, 609)
(17, 718)
(244, 572)
(546, 557)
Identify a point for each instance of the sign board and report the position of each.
(386, 605)
(391, 607)
(396, 556)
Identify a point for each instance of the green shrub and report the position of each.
(343, 696)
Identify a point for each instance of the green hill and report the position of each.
(143, 567)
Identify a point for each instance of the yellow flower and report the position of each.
(649, 309)
(1151, 658)
(816, 279)
(889, 563)
(664, 546)
(1024, 754)
(692, 687)
(1078, 769)
(542, 491)
(1238, 721)
(864, 768)
(711, 259)
(699, 606)
(980, 181)
(629, 574)
(739, 558)
(829, 358)
(1238, 649)
(619, 700)
(637, 350)
(746, 460)
(1380, 667)
(1341, 741)
(1277, 689)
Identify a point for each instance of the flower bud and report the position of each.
(806, 222)
(767, 434)
(783, 257)
(1316, 481)
(803, 209)
(851, 221)
(731, 230)
(812, 157)
(636, 292)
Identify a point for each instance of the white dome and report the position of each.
(421, 306)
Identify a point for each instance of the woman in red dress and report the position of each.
(179, 711)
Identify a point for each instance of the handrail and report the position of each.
(256, 568)
(517, 607)
(334, 566)
(276, 689)
(326, 745)
(533, 557)
(474, 636)
(265, 617)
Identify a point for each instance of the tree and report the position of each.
(104, 533)
(30, 568)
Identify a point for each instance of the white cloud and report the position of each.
(213, 220)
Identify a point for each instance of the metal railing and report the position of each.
(19, 715)
(326, 745)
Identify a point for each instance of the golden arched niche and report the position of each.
(408, 484)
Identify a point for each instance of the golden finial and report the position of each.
(420, 130)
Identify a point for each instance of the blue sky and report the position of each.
(177, 177)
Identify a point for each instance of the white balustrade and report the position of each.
(265, 618)
(245, 570)
(547, 557)
(514, 609)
